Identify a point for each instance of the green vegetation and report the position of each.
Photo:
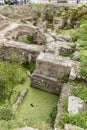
(83, 58)
(10, 76)
(6, 112)
(80, 90)
(37, 10)
(16, 57)
(31, 66)
(69, 54)
(23, 21)
(8, 7)
(80, 33)
(63, 32)
(28, 40)
(79, 119)
(65, 77)
(53, 115)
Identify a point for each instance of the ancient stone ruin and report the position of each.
(53, 69)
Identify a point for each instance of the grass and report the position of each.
(10, 76)
(64, 32)
(79, 90)
(28, 40)
(78, 120)
(83, 59)
(66, 54)
(80, 33)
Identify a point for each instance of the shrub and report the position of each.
(10, 76)
(80, 33)
(6, 113)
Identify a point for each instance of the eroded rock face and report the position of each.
(75, 105)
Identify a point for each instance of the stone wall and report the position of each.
(13, 49)
(16, 31)
(45, 83)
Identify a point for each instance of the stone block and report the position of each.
(72, 127)
(53, 66)
(75, 105)
(45, 83)
(72, 75)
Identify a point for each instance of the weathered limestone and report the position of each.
(65, 92)
(29, 52)
(72, 75)
(75, 105)
(20, 99)
(72, 127)
(15, 31)
(46, 83)
(58, 23)
(75, 70)
(50, 71)
(53, 66)
(59, 47)
(3, 24)
(49, 38)
(27, 128)
(59, 37)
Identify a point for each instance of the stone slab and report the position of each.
(75, 105)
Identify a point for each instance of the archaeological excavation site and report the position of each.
(43, 67)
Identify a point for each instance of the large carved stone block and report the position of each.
(46, 83)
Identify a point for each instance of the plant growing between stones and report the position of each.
(53, 115)
(78, 119)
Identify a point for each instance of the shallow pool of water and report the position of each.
(36, 108)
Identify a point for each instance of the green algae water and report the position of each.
(36, 108)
